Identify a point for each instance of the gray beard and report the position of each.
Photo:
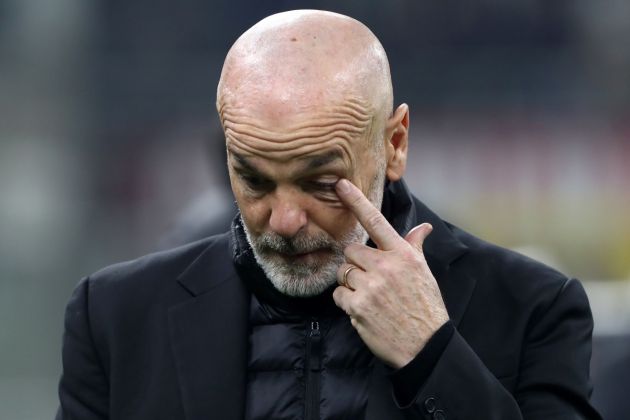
(309, 278)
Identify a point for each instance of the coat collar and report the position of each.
(442, 248)
(208, 335)
(405, 212)
(209, 331)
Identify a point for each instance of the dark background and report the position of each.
(110, 146)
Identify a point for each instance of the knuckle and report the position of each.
(356, 201)
(416, 249)
(378, 290)
(351, 309)
(354, 322)
(410, 254)
(337, 295)
(351, 249)
(340, 300)
(382, 265)
(374, 288)
(373, 220)
(359, 305)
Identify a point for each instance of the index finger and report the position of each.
(379, 229)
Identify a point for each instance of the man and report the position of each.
(293, 313)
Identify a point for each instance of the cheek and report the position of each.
(337, 221)
(364, 179)
(254, 218)
(253, 211)
(331, 217)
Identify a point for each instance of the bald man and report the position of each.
(336, 294)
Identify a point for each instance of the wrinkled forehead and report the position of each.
(282, 104)
(280, 130)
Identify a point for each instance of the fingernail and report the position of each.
(343, 185)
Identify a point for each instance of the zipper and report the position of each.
(312, 367)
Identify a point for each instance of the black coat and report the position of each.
(165, 336)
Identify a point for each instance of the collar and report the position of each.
(404, 212)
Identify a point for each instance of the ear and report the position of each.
(397, 141)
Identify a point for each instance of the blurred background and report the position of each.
(110, 147)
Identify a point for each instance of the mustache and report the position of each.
(300, 244)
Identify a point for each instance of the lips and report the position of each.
(304, 255)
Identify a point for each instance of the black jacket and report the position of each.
(166, 336)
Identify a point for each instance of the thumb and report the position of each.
(417, 235)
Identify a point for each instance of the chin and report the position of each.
(300, 279)
(300, 288)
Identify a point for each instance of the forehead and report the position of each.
(282, 130)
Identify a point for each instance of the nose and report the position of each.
(287, 218)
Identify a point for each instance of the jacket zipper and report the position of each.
(312, 367)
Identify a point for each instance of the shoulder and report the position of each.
(155, 272)
(132, 298)
(508, 279)
(502, 261)
(514, 302)
(518, 279)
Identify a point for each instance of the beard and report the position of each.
(302, 276)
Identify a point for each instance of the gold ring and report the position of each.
(344, 282)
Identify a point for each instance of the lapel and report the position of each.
(209, 336)
(442, 251)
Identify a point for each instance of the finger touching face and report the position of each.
(376, 225)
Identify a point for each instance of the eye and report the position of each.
(323, 189)
(254, 182)
(322, 186)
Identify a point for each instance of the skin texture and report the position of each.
(305, 100)
(396, 305)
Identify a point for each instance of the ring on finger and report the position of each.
(344, 281)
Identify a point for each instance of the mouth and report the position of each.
(305, 257)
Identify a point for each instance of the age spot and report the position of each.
(293, 39)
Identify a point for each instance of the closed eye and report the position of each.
(321, 186)
(255, 183)
(323, 191)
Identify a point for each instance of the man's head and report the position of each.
(305, 98)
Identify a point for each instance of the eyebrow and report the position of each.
(312, 162)
(241, 160)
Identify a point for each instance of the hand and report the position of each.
(392, 298)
